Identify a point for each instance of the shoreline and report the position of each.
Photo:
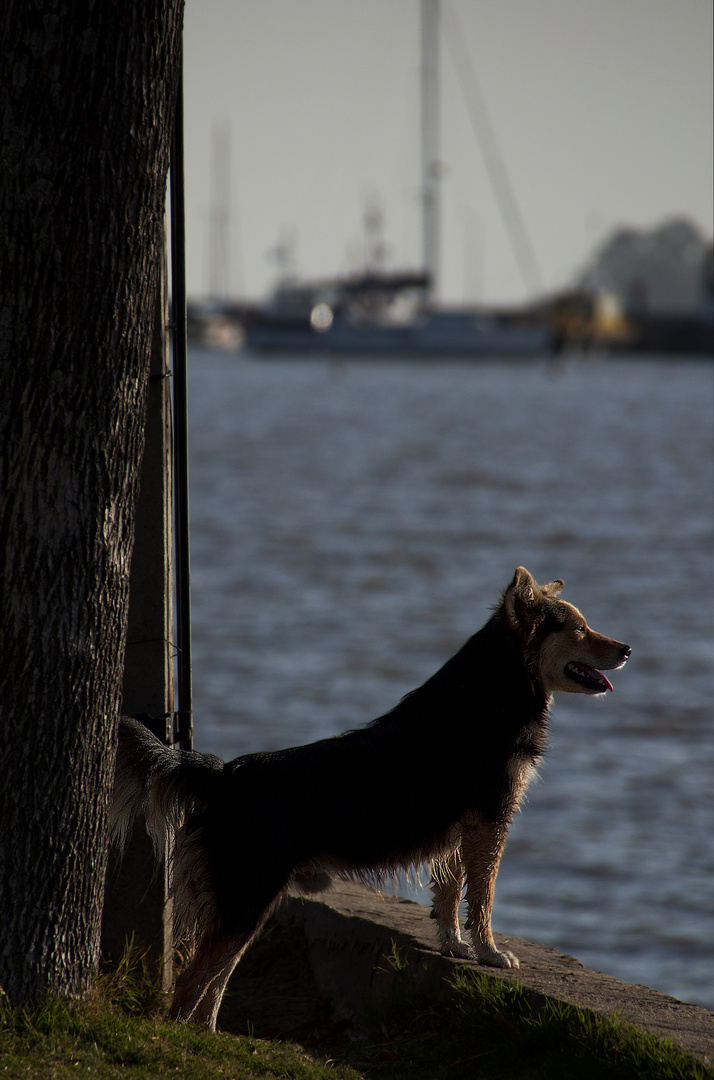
(320, 956)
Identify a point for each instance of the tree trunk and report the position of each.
(89, 91)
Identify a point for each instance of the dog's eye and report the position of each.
(579, 629)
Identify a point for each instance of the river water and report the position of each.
(352, 523)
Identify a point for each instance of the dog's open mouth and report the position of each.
(593, 681)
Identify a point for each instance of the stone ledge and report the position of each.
(319, 956)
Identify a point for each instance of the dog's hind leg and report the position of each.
(447, 882)
(482, 844)
(200, 986)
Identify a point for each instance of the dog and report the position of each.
(437, 780)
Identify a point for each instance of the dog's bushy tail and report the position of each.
(164, 786)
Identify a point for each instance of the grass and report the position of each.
(477, 1029)
(121, 1030)
(490, 1029)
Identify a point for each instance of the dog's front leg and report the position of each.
(447, 883)
(482, 845)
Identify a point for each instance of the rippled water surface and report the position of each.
(353, 523)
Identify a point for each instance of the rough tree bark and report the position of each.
(88, 91)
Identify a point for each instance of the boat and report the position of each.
(386, 315)
(378, 313)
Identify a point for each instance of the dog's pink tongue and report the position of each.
(607, 685)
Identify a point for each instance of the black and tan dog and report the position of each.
(436, 780)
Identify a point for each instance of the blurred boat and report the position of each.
(380, 314)
(389, 314)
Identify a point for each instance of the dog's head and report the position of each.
(562, 651)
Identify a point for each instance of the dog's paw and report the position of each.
(495, 958)
(450, 944)
(458, 949)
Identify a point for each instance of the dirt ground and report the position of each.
(319, 957)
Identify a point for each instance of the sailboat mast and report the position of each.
(430, 138)
(219, 223)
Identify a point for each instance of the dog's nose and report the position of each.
(626, 650)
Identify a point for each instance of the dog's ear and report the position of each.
(522, 602)
(553, 587)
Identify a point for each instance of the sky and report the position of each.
(302, 117)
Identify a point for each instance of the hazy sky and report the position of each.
(602, 111)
